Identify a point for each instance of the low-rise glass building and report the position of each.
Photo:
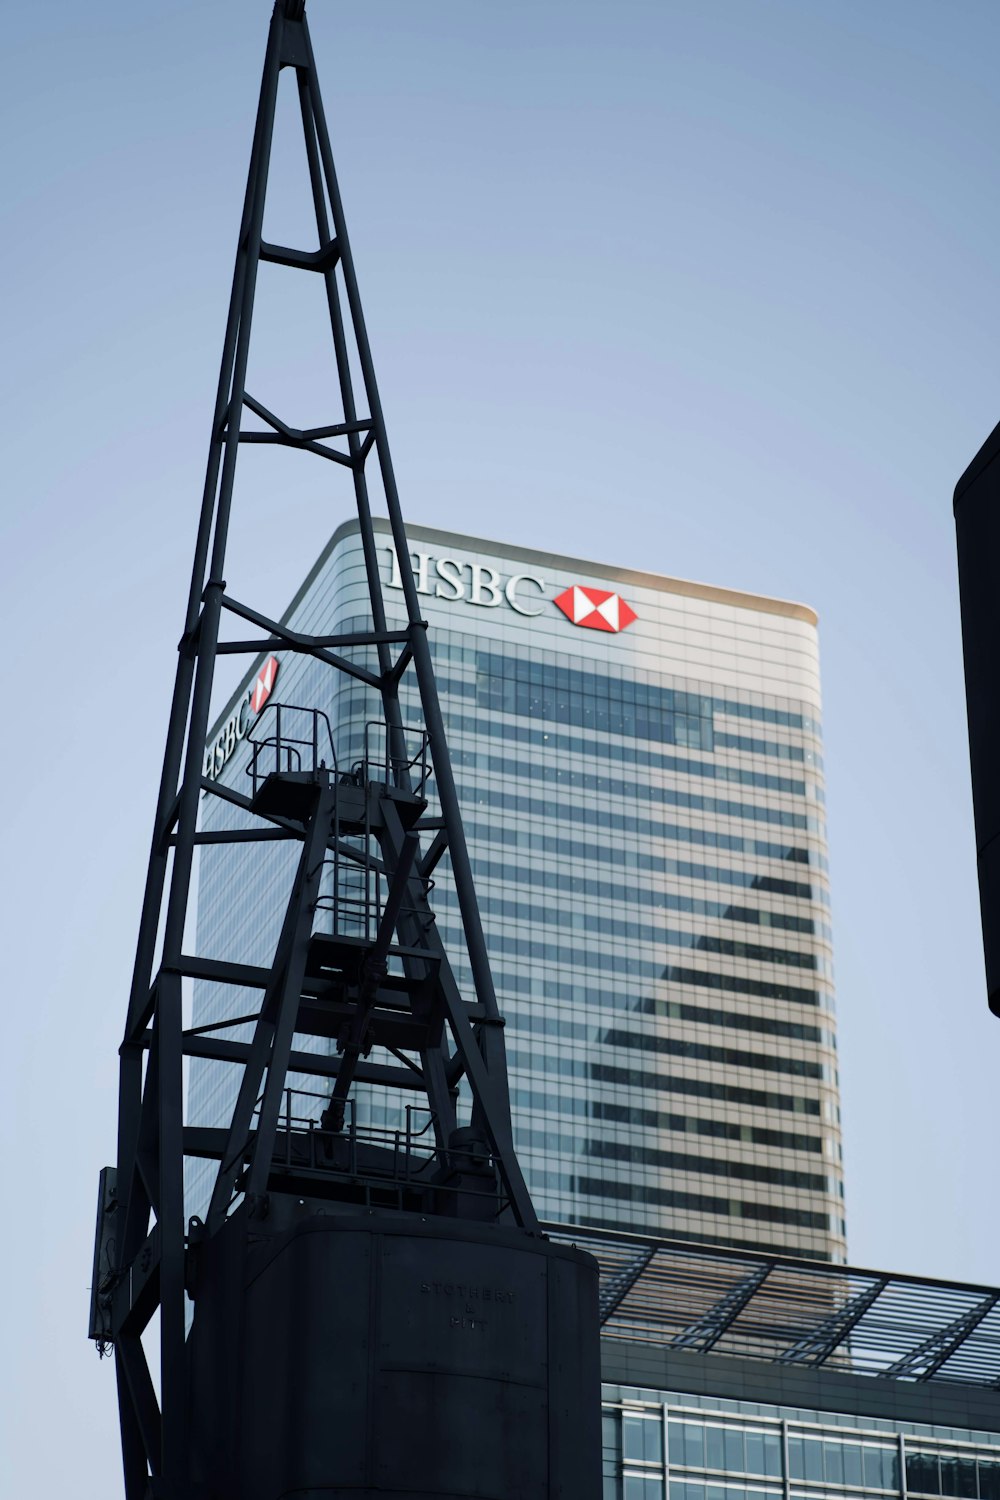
(743, 1378)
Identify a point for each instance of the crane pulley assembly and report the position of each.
(346, 1316)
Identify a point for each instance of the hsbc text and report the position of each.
(448, 578)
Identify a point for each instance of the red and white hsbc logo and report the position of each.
(451, 579)
(261, 690)
(595, 609)
(239, 721)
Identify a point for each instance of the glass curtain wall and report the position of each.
(673, 1451)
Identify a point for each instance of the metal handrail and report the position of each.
(396, 769)
(413, 1146)
(289, 748)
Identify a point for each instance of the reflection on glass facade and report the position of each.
(683, 1447)
(645, 814)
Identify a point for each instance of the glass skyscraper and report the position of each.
(639, 765)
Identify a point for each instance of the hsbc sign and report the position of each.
(452, 580)
(447, 578)
(239, 721)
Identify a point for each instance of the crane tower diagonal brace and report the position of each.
(352, 999)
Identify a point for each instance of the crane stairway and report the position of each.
(373, 981)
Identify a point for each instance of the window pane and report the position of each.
(833, 1463)
(874, 1477)
(755, 1452)
(634, 1436)
(922, 1474)
(890, 1469)
(814, 1458)
(676, 1441)
(989, 1480)
(949, 1475)
(694, 1445)
(714, 1448)
(735, 1462)
(772, 1454)
(647, 1487)
(652, 1442)
(853, 1473)
(797, 1460)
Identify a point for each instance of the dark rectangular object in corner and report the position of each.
(977, 521)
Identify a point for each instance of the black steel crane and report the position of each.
(345, 1316)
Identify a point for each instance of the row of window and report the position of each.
(580, 993)
(599, 889)
(833, 1462)
(625, 686)
(616, 823)
(586, 710)
(668, 730)
(625, 752)
(650, 1005)
(519, 982)
(730, 1057)
(636, 859)
(549, 1141)
(546, 1023)
(602, 924)
(953, 1474)
(625, 964)
(735, 1449)
(830, 1461)
(636, 1487)
(692, 711)
(360, 704)
(762, 918)
(473, 795)
(570, 1211)
(863, 1466)
(617, 786)
(568, 681)
(634, 1078)
(753, 746)
(763, 989)
(766, 1213)
(686, 1489)
(465, 649)
(728, 1093)
(680, 1161)
(732, 1451)
(651, 1119)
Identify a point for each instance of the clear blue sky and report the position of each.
(704, 286)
